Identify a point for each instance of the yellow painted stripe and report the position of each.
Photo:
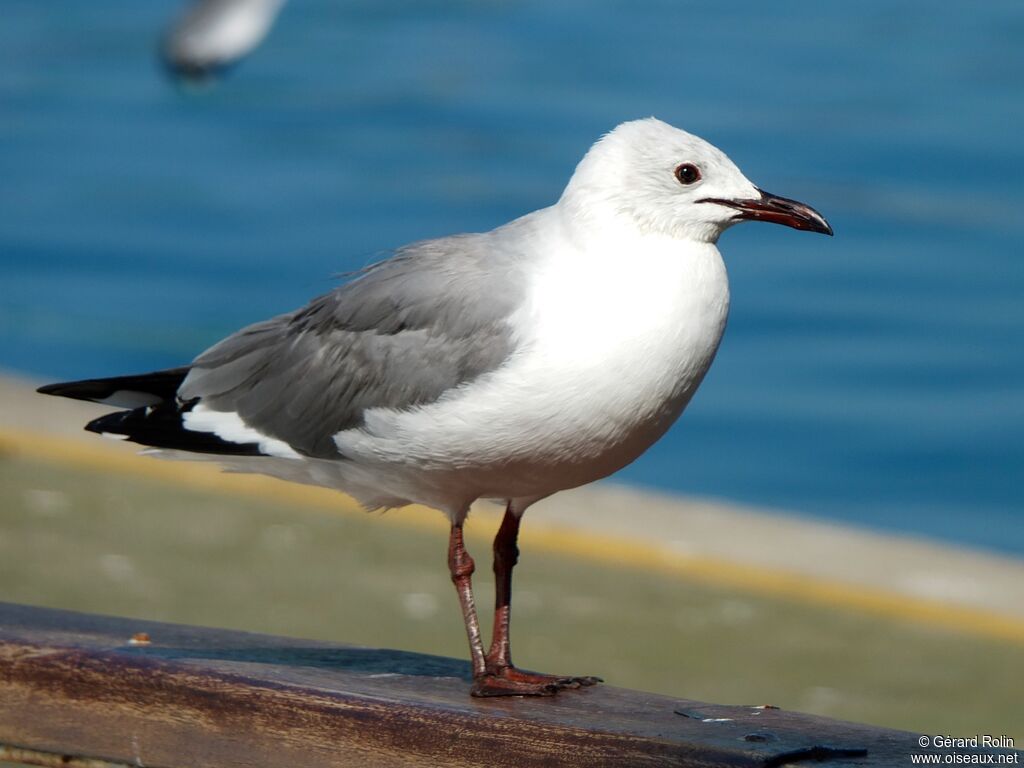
(633, 553)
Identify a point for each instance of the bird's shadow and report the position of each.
(360, 661)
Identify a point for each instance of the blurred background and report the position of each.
(873, 380)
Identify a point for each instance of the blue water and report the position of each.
(875, 378)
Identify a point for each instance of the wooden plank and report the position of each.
(75, 685)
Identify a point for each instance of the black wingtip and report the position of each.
(111, 424)
(161, 426)
(77, 390)
(143, 389)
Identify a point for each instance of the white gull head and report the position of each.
(652, 178)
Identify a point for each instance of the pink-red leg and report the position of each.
(500, 677)
(461, 567)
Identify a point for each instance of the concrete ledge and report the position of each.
(760, 550)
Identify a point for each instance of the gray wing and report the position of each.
(400, 335)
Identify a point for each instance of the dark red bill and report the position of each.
(778, 210)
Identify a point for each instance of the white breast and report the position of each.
(614, 339)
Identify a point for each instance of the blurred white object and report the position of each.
(211, 35)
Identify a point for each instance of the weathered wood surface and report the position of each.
(74, 685)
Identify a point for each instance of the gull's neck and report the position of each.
(597, 229)
(589, 214)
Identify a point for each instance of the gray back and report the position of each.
(401, 334)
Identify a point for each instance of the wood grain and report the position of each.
(75, 685)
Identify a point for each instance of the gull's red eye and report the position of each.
(688, 173)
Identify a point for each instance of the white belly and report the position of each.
(608, 358)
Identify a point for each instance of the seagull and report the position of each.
(211, 35)
(506, 365)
